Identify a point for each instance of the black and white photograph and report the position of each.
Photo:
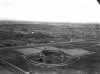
(49, 37)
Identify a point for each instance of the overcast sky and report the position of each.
(50, 10)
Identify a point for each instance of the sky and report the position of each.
(50, 10)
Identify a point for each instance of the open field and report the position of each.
(86, 65)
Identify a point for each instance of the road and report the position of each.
(47, 44)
